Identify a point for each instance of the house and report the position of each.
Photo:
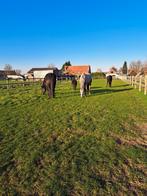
(2, 75)
(113, 72)
(77, 70)
(39, 73)
(9, 74)
(144, 70)
(132, 73)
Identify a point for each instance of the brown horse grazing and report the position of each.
(49, 84)
(74, 83)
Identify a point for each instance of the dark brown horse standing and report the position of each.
(49, 84)
(74, 83)
(109, 80)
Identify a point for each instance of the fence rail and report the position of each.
(14, 83)
(138, 82)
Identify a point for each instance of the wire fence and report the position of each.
(11, 83)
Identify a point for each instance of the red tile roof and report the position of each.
(77, 70)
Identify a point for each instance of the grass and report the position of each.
(71, 145)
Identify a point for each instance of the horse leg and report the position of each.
(81, 92)
(88, 88)
(43, 86)
(52, 86)
(110, 84)
(53, 92)
(43, 90)
(49, 91)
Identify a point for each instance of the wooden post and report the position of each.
(145, 85)
(140, 83)
(135, 82)
(132, 80)
(8, 83)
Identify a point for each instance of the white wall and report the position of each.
(41, 74)
(14, 77)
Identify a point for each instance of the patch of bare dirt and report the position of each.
(139, 141)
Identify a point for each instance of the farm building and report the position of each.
(2, 75)
(41, 72)
(132, 73)
(144, 70)
(113, 70)
(9, 74)
(77, 70)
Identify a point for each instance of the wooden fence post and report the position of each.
(145, 84)
(8, 83)
(140, 83)
(135, 82)
(132, 80)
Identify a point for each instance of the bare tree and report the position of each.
(120, 70)
(18, 71)
(136, 66)
(51, 65)
(145, 64)
(8, 67)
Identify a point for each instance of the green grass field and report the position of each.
(73, 146)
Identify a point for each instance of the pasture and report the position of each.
(69, 145)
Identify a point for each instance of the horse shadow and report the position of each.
(95, 92)
(123, 85)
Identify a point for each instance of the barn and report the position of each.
(9, 74)
(38, 73)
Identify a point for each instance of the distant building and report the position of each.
(144, 70)
(2, 75)
(77, 70)
(9, 74)
(99, 70)
(132, 73)
(113, 70)
(39, 73)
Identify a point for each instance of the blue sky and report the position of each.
(102, 33)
